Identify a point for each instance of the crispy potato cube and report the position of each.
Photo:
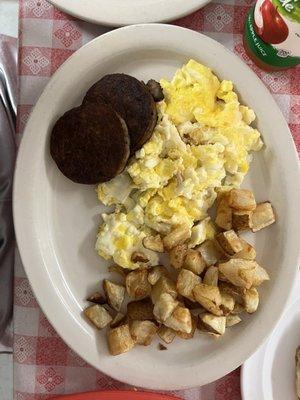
(224, 212)
(238, 309)
(115, 294)
(119, 340)
(97, 298)
(209, 297)
(213, 324)
(247, 253)
(142, 332)
(187, 336)
(200, 232)
(177, 236)
(140, 310)
(157, 272)
(211, 252)
(244, 273)
(180, 320)
(257, 275)
(232, 320)
(186, 281)
(251, 300)
(163, 285)
(119, 319)
(241, 220)
(139, 257)
(166, 334)
(164, 307)
(98, 315)
(222, 277)
(154, 243)
(204, 329)
(230, 242)
(262, 216)
(211, 276)
(227, 303)
(194, 261)
(242, 199)
(137, 284)
(177, 255)
(237, 293)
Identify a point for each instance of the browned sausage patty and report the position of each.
(132, 101)
(90, 143)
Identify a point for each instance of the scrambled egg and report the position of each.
(119, 237)
(200, 145)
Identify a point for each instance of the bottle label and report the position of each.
(272, 32)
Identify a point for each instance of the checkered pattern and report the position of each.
(44, 365)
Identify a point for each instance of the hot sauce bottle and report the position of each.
(272, 34)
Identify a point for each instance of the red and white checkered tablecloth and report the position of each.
(43, 365)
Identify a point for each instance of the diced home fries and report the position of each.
(211, 276)
(262, 216)
(212, 324)
(118, 319)
(209, 297)
(98, 315)
(187, 336)
(211, 252)
(142, 332)
(178, 236)
(115, 294)
(230, 242)
(241, 199)
(166, 334)
(163, 285)
(247, 253)
(186, 281)
(232, 320)
(205, 288)
(178, 255)
(180, 320)
(120, 340)
(156, 273)
(140, 310)
(243, 273)
(137, 284)
(224, 212)
(153, 243)
(227, 303)
(164, 307)
(194, 261)
(241, 220)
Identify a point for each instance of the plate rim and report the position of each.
(115, 18)
(19, 215)
(262, 354)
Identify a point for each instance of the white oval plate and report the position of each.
(127, 12)
(56, 220)
(270, 373)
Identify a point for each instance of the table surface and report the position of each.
(43, 365)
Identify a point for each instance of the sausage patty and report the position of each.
(90, 143)
(132, 100)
